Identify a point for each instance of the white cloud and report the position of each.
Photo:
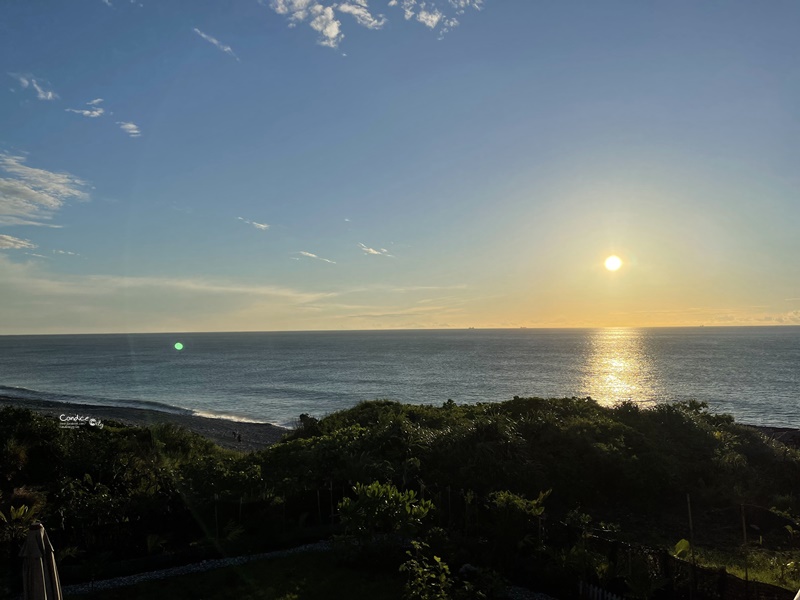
(447, 26)
(8, 242)
(408, 8)
(65, 252)
(358, 9)
(29, 196)
(315, 257)
(130, 128)
(320, 18)
(261, 226)
(92, 113)
(107, 2)
(439, 15)
(436, 13)
(40, 87)
(462, 5)
(374, 252)
(324, 22)
(212, 40)
(429, 18)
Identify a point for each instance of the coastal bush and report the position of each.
(514, 522)
(428, 577)
(480, 464)
(380, 519)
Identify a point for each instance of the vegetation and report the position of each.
(534, 490)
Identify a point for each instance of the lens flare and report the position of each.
(178, 346)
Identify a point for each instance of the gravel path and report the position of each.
(515, 593)
(519, 593)
(206, 565)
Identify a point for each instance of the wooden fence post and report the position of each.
(744, 539)
(693, 586)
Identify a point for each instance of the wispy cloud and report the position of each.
(8, 242)
(212, 40)
(433, 13)
(315, 257)
(65, 253)
(358, 9)
(374, 252)
(29, 196)
(36, 298)
(37, 85)
(93, 112)
(134, 2)
(132, 129)
(261, 226)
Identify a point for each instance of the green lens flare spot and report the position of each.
(178, 346)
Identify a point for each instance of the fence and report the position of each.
(660, 575)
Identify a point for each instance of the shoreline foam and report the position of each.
(254, 436)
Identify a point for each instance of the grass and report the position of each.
(777, 568)
(311, 576)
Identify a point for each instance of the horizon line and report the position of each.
(534, 328)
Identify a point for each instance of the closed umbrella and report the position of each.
(39, 573)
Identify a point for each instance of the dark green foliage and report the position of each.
(428, 576)
(383, 509)
(380, 519)
(152, 491)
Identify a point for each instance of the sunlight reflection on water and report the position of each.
(619, 367)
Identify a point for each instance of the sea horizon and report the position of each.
(407, 329)
(273, 377)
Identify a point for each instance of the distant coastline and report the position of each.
(226, 433)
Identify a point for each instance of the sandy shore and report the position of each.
(787, 435)
(254, 436)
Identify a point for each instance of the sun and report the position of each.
(613, 263)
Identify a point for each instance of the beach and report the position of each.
(226, 433)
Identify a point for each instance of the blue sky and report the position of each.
(306, 164)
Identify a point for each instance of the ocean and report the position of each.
(752, 373)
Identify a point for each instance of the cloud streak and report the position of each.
(38, 299)
(29, 196)
(261, 226)
(315, 257)
(37, 85)
(215, 42)
(359, 11)
(374, 252)
(132, 129)
(8, 242)
(93, 112)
